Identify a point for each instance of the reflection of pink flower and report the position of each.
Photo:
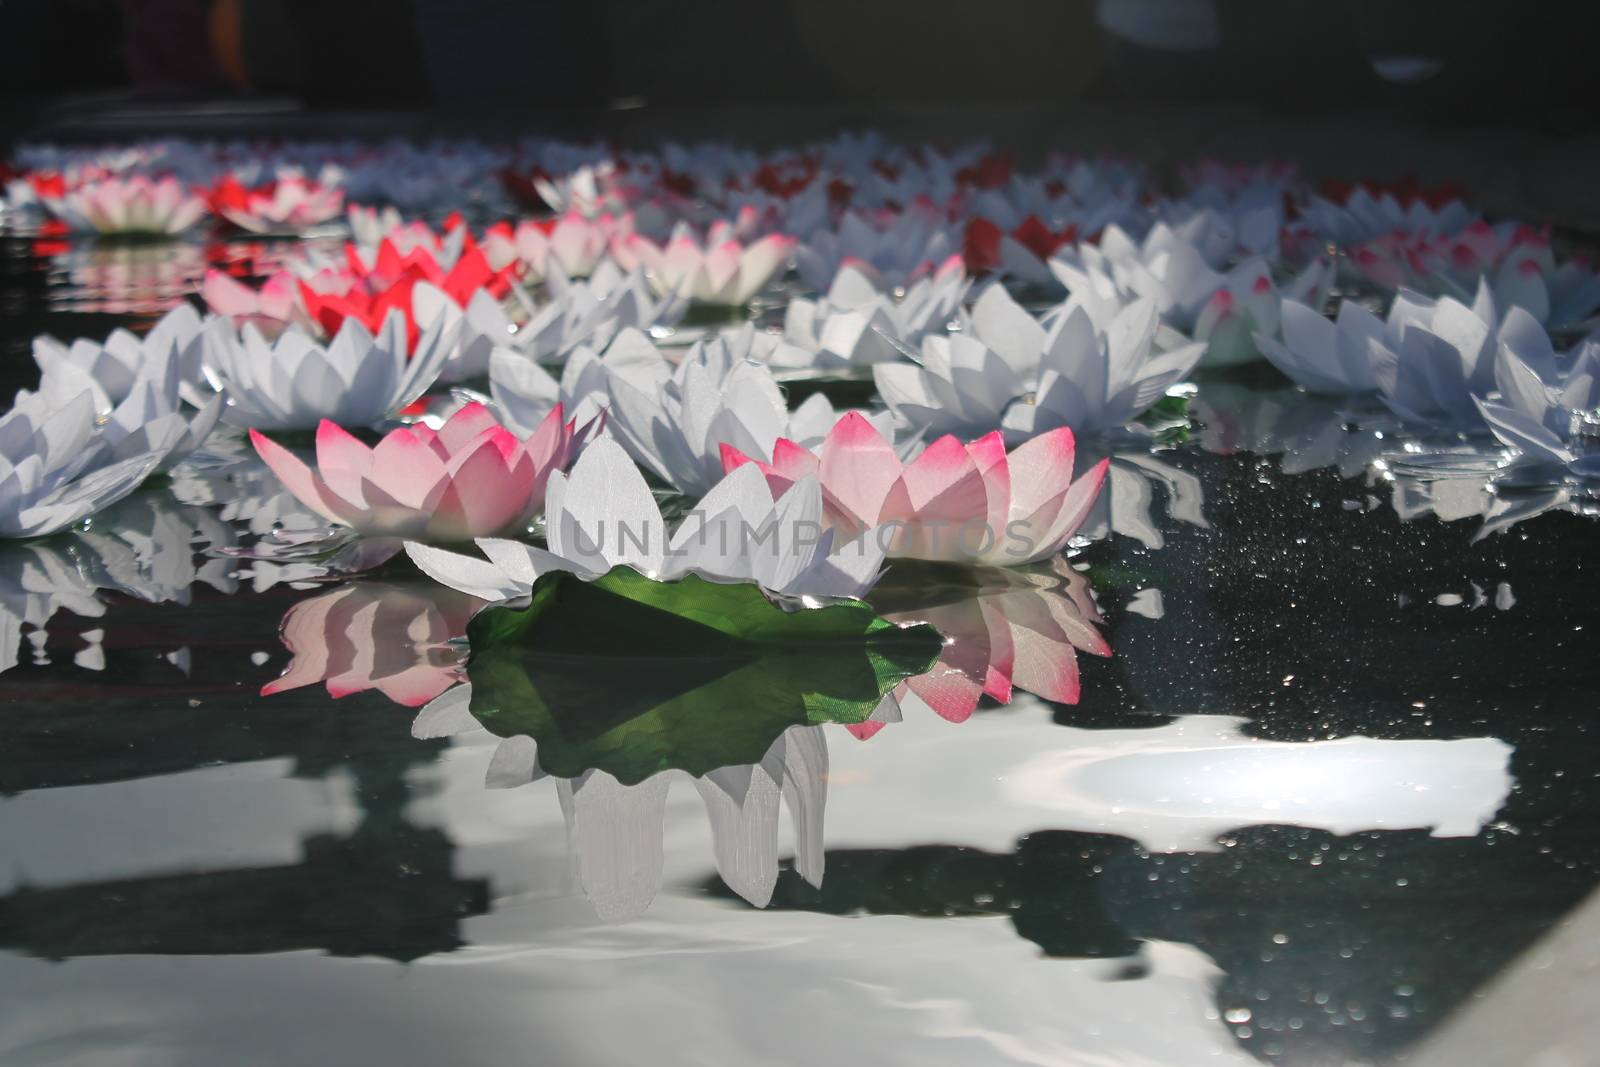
(1013, 629)
(374, 635)
(969, 503)
(472, 478)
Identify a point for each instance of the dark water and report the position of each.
(1338, 770)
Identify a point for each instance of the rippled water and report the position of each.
(1336, 772)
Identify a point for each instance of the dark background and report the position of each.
(1510, 112)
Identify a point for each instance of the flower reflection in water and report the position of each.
(377, 635)
(1003, 628)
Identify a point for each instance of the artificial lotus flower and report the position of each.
(370, 225)
(1324, 356)
(574, 242)
(1247, 303)
(376, 635)
(674, 420)
(1540, 411)
(895, 251)
(164, 394)
(115, 365)
(720, 271)
(1006, 368)
(131, 205)
(1515, 258)
(1351, 214)
(523, 392)
(56, 468)
(290, 204)
(295, 382)
(857, 324)
(603, 515)
(1446, 356)
(585, 313)
(471, 478)
(971, 503)
(1097, 377)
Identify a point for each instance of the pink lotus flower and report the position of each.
(376, 635)
(722, 271)
(970, 503)
(574, 243)
(472, 478)
(289, 205)
(129, 205)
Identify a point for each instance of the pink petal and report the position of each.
(296, 477)
(857, 469)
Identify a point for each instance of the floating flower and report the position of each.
(674, 420)
(1446, 355)
(1095, 377)
(295, 382)
(857, 325)
(954, 502)
(132, 205)
(1538, 410)
(115, 365)
(290, 204)
(1325, 356)
(720, 271)
(376, 635)
(471, 478)
(56, 468)
(603, 515)
(574, 243)
(270, 308)
(894, 251)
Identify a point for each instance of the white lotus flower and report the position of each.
(1006, 368)
(894, 253)
(1446, 355)
(720, 271)
(856, 324)
(1363, 216)
(1095, 378)
(158, 398)
(370, 225)
(602, 515)
(1538, 410)
(675, 420)
(56, 468)
(116, 364)
(1326, 356)
(523, 392)
(1225, 310)
(135, 204)
(294, 382)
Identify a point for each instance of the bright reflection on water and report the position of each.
(1286, 763)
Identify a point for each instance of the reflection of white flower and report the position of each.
(615, 830)
(603, 515)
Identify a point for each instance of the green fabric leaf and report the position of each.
(634, 676)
